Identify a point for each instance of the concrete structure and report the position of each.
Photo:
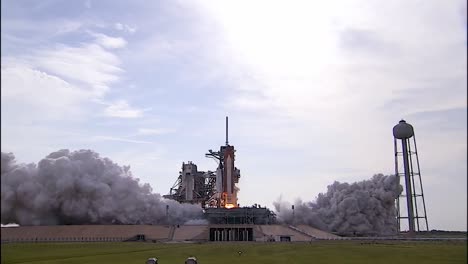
(254, 215)
(91, 233)
(315, 233)
(190, 233)
(283, 233)
(156, 233)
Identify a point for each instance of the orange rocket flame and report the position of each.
(229, 206)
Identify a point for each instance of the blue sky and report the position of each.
(312, 90)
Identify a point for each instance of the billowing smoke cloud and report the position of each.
(80, 187)
(361, 208)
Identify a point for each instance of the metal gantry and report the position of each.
(210, 189)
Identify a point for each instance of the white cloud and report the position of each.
(331, 61)
(154, 131)
(251, 103)
(119, 26)
(123, 110)
(37, 109)
(124, 27)
(31, 94)
(109, 42)
(89, 65)
(120, 139)
(68, 26)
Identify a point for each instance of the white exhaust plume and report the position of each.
(361, 208)
(80, 187)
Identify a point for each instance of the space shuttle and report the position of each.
(227, 175)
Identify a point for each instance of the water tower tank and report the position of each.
(403, 130)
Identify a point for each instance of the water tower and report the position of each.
(410, 203)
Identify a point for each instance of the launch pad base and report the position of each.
(240, 215)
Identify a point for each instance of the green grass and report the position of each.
(316, 252)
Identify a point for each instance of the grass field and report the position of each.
(315, 252)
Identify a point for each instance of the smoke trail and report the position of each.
(361, 208)
(82, 188)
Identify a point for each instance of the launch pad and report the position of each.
(240, 215)
(216, 192)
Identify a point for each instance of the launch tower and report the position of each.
(216, 192)
(209, 189)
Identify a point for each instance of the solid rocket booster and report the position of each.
(229, 191)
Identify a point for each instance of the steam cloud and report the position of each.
(361, 208)
(80, 187)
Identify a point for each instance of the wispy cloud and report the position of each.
(126, 140)
(154, 131)
(109, 42)
(125, 27)
(123, 110)
(322, 59)
(28, 93)
(88, 64)
(68, 26)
